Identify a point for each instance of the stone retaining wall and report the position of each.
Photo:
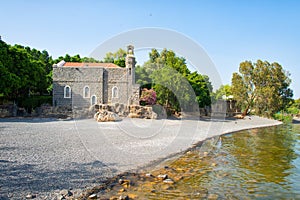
(8, 110)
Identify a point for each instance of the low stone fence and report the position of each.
(43, 111)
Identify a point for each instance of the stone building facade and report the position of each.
(80, 85)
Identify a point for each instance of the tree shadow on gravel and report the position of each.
(18, 180)
(33, 120)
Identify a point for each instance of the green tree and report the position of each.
(262, 87)
(117, 57)
(202, 88)
(23, 71)
(142, 77)
(176, 87)
(172, 89)
(296, 103)
(223, 91)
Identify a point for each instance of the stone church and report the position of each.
(80, 85)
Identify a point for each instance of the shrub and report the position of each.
(293, 110)
(286, 118)
(148, 97)
(33, 102)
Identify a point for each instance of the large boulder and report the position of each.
(107, 116)
(137, 111)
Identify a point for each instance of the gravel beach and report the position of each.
(45, 156)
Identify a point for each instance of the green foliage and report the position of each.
(172, 89)
(117, 57)
(293, 110)
(75, 58)
(286, 118)
(142, 77)
(262, 87)
(295, 104)
(33, 102)
(223, 91)
(176, 87)
(202, 88)
(23, 71)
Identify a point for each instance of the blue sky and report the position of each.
(229, 31)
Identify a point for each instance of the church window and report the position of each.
(93, 100)
(115, 92)
(67, 91)
(86, 92)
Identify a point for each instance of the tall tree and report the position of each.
(176, 87)
(23, 71)
(261, 86)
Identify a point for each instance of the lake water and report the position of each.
(253, 164)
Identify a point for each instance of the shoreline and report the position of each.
(128, 152)
(159, 163)
(162, 163)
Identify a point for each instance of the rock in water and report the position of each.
(93, 196)
(212, 196)
(169, 181)
(148, 175)
(124, 197)
(30, 196)
(162, 176)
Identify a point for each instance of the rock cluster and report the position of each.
(106, 116)
(137, 111)
(108, 112)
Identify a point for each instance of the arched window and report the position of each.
(86, 92)
(67, 91)
(93, 100)
(115, 92)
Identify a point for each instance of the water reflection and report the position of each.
(267, 154)
(259, 163)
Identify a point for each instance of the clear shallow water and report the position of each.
(254, 164)
(259, 163)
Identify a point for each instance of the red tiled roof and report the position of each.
(78, 64)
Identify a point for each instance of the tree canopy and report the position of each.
(117, 57)
(223, 91)
(23, 71)
(175, 85)
(262, 87)
(76, 58)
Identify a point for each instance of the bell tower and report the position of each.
(130, 63)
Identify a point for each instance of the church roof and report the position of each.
(78, 64)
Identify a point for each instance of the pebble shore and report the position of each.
(60, 159)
